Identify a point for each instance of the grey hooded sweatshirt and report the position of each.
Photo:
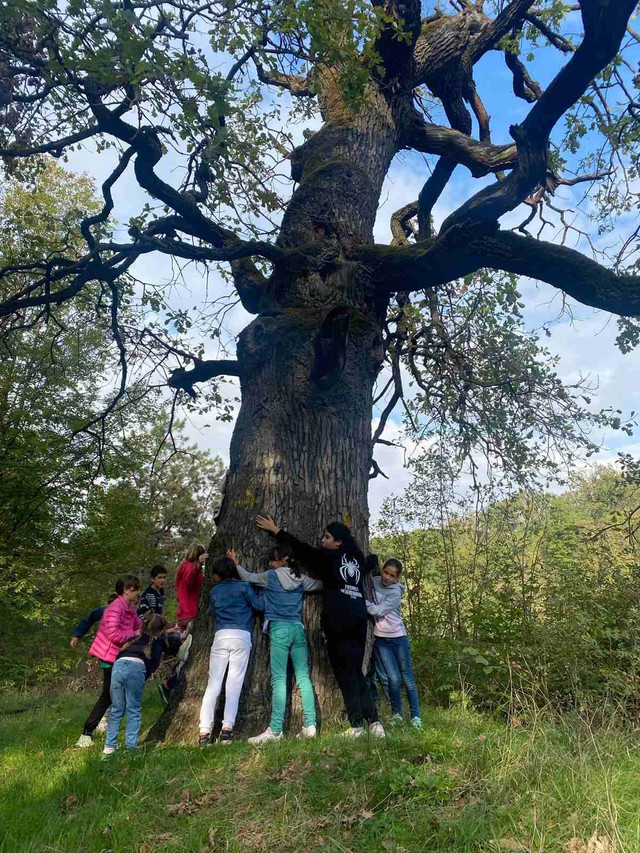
(283, 592)
(385, 608)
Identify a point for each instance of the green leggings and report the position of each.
(289, 638)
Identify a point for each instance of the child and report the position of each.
(188, 582)
(340, 565)
(392, 650)
(84, 625)
(153, 597)
(232, 604)
(138, 659)
(284, 588)
(119, 622)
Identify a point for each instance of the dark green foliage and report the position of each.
(534, 594)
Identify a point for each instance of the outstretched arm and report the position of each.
(256, 578)
(84, 626)
(313, 558)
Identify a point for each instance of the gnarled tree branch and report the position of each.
(464, 250)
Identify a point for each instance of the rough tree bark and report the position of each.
(301, 447)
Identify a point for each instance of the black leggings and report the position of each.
(346, 649)
(102, 705)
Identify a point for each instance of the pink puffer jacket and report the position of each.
(119, 622)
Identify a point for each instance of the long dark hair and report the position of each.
(349, 545)
(225, 569)
(285, 552)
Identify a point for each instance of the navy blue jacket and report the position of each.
(137, 649)
(84, 626)
(151, 599)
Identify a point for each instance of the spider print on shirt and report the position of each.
(350, 570)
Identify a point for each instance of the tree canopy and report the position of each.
(180, 97)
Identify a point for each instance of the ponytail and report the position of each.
(285, 552)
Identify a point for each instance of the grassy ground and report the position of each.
(464, 783)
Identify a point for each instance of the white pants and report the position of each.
(226, 651)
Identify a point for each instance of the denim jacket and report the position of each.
(232, 604)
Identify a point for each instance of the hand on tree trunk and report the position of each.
(265, 522)
(231, 553)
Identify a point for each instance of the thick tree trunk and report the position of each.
(302, 455)
(301, 448)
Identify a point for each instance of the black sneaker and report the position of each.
(164, 694)
(204, 740)
(226, 738)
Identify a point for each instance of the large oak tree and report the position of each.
(139, 83)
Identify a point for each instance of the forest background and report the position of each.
(504, 578)
(512, 593)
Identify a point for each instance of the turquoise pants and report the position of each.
(289, 638)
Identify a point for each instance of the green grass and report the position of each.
(464, 783)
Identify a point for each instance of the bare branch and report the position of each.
(524, 86)
(465, 249)
(558, 41)
(510, 16)
(400, 228)
(202, 371)
(297, 84)
(480, 158)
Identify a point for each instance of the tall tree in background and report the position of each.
(141, 80)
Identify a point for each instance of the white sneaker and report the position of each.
(102, 725)
(416, 722)
(265, 737)
(376, 730)
(354, 731)
(308, 731)
(84, 741)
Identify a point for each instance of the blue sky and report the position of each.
(584, 341)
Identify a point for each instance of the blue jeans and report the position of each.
(377, 673)
(393, 658)
(127, 683)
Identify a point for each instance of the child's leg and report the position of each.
(358, 644)
(133, 685)
(101, 706)
(280, 637)
(346, 652)
(342, 672)
(238, 662)
(403, 657)
(300, 660)
(385, 647)
(218, 661)
(118, 705)
(381, 672)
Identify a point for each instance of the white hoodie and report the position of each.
(386, 609)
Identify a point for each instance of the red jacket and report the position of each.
(188, 582)
(119, 622)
